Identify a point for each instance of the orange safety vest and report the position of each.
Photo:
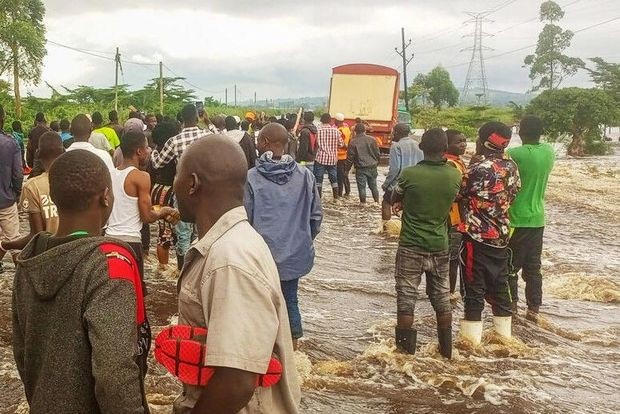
(455, 214)
(345, 131)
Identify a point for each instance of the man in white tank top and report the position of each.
(132, 195)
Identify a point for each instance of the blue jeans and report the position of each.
(319, 174)
(185, 234)
(368, 176)
(289, 291)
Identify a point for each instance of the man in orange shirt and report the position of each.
(457, 143)
(343, 166)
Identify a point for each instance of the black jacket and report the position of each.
(306, 151)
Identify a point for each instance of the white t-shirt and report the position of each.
(87, 146)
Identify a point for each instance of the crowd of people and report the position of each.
(239, 201)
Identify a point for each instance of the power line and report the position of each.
(476, 73)
(183, 79)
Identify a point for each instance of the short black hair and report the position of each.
(131, 141)
(75, 177)
(531, 128)
(65, 124)
(434, 141)
(231, 123)
(164, 131)
(160, 118)
(113, 116)
(55, 126)
(402, 129)
(360, 128)
(308, 116)
(50, 145)
(16, 125)
(245, 125)
(453, 133)
(97, 118)
(326, 118)
(39, 117)
(189, 114)
(134, 114)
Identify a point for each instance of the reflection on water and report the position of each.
(567, 362)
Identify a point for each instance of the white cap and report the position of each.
(339, 117)
(237, 119)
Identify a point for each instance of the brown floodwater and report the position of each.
(568, 362)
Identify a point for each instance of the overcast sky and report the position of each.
(287, 48)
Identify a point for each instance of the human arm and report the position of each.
(142, 181)
(240, 310)
(352, 154)
(248, 202)
(394, 168)
(165, 156)
(375, 150)
(399, 193)
(110, 320)
(17, 172)
(316, 210)
(36, 226)
(304, 144)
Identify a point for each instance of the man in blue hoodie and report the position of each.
(284, 206)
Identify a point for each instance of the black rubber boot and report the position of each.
(406, 339)
(444, 334)
(180, 261)
(335, 193)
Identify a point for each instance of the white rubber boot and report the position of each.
(503, 325)
(472, 331)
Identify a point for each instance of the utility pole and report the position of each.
(117, 61)
(226, 96)
(235, 94)
(254, 98)
(476, 74)
(161, 87)
(403, 53)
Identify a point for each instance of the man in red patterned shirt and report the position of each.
(329, 139)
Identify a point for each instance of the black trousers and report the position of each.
(525, 250)
(145, 235)
(485, 276)
(137, 249)
(343, 167)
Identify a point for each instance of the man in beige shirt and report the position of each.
(230, 285)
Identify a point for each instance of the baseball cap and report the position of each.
(339, 117)
(134, 125)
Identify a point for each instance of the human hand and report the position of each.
(397, 207)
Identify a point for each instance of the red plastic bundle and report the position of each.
(181, 350)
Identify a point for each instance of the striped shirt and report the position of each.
(176, 145)
(328, 139)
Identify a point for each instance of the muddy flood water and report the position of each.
(568, 362)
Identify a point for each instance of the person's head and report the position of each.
(65, 125)
(493, 137)
(210, 179)
(159, 118)
(113, 116)
(457, 143)
(308, 117)
(401, 130)
(231, 123)
(339, 119)
(55, 126)
(272, 119)
(135, 114)
(133, 125)
(39, 118)
(273, 137)
(81, 128)
(164, 131)
(359, 129)
(135, 146)
(530, 129)
(434, 143)
(250, 116)
(97, 119)
(189, 115)
(80, 185)
(219, 122)
(16, 126)
(50, 148)
(245, 125)
(150, 120)
(326, 118)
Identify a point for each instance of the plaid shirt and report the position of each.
(176, 145)
(328, 139)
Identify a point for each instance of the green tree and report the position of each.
(22, 42)
(577, 113)
(548, 64)
(606, 76)
(440, 88)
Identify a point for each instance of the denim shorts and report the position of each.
(410, 264)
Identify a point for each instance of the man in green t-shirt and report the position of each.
(527, 213)
(425, 193)
(109, 133)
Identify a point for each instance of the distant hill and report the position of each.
(502, 98)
